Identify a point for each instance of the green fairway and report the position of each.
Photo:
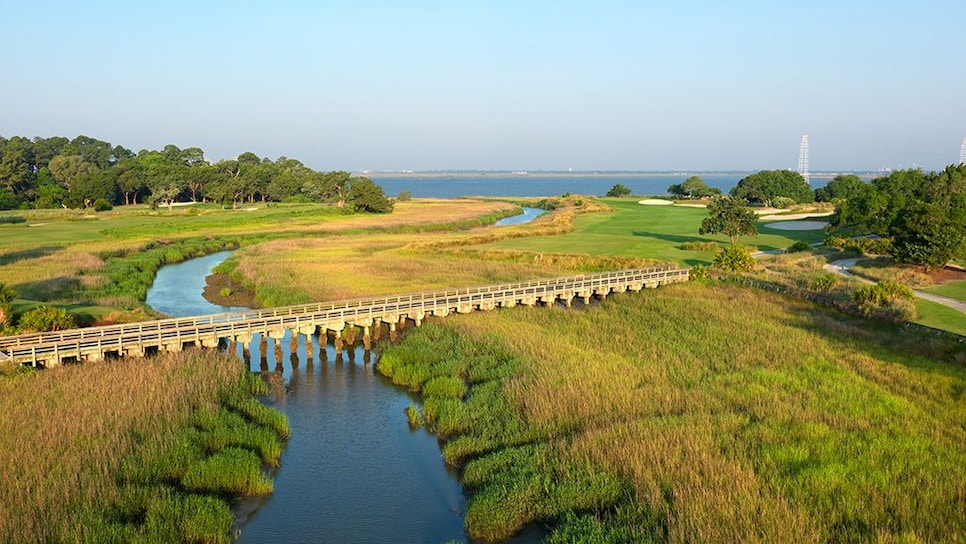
(953, 289)
(648, 231)
(941, 317)
(55, 227)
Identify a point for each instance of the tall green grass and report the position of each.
(696, 413)
(148, 450)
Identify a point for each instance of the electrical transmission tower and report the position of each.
(803, 157)
(962, 153)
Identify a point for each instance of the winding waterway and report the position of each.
(353, 470)
(529, 214)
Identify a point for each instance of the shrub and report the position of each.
(699, 272)
(46, 318)
(619, 190)
(866, 246)
(782, 202)
(404, 196)
(734, 259)
(12, 220)
(824, 282)
(887, 300)
(225, 292)
(102, 205)
(698, 246)
(798, 246)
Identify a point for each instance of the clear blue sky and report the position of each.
(496, 84)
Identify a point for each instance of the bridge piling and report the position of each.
(337, 342)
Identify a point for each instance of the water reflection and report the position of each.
(353, 470)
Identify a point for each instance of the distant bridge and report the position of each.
(137, 339)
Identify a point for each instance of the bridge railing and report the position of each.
(228, 322)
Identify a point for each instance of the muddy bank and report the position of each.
(221, 290)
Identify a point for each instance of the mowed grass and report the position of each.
(45, 228)
(133, 451)
(937, 316)
(952, 289)
(697, 413)
(655, 232)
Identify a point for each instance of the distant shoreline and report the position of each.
(501, 174)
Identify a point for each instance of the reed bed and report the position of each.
(697, 413)
(118, 451)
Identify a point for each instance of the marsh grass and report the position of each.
(698, 412)
(130, 450)
(108, 261)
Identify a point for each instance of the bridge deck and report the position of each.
(97, 341)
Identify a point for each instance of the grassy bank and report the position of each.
(655, 418)
(657, 232)
(146, 450)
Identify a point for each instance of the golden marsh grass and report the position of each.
(67, 430)
(733, 415)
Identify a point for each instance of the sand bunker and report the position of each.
(796, 225)
(655, 202)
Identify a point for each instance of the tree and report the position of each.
(50, 194)
(729, 216)
(16, 166)
(695, 187)
(96, 152)
(130, 180)
(925, 234)
(94, 185)
(165, 189)
(46, 149)
(290, 176)
(330, 187)
(923, 213)
(67, 168)
(365, 196)
(842, 187)
(768, 184)
(619, 190)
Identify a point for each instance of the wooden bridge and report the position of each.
(136, 339)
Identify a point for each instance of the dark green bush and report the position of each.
(798, 246)
(102, 205)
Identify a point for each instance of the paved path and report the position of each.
(842, 267)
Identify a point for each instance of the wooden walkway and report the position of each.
(135, 339)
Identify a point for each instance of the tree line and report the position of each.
(57, 172)
(922, 215)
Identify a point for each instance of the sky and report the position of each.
(493, 85)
